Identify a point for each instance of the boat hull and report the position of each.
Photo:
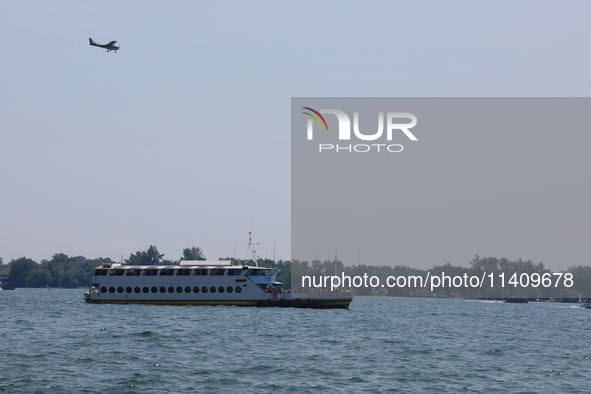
(313, 303)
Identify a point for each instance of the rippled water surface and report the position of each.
(52, 341)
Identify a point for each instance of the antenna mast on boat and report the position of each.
(251, 246)
(335, 265)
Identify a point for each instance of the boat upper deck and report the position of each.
(186, 268)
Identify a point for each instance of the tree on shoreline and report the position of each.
(38, 277)
(193, 254)
(151, 256)
(19, 269)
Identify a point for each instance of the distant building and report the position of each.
(4, 275)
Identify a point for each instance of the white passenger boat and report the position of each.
(199, 282)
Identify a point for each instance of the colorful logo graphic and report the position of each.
(387, 125)
(315, 118)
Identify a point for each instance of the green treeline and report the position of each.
(60, 271)
(70, 272)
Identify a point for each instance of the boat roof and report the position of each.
(204, 262)
(199, 264)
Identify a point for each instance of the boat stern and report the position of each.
(92, 294)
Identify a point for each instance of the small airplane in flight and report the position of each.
(109, 47)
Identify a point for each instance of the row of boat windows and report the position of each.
(167, 272)
(171, 289)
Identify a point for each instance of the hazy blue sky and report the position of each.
(182, 138)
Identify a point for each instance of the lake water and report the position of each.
(52, 341)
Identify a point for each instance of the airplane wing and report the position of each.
(112, 43)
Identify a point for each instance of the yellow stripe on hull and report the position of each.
(320, 303)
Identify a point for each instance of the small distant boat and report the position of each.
(8, 286)
(516, 300)
(585, 305)
(546, 299)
